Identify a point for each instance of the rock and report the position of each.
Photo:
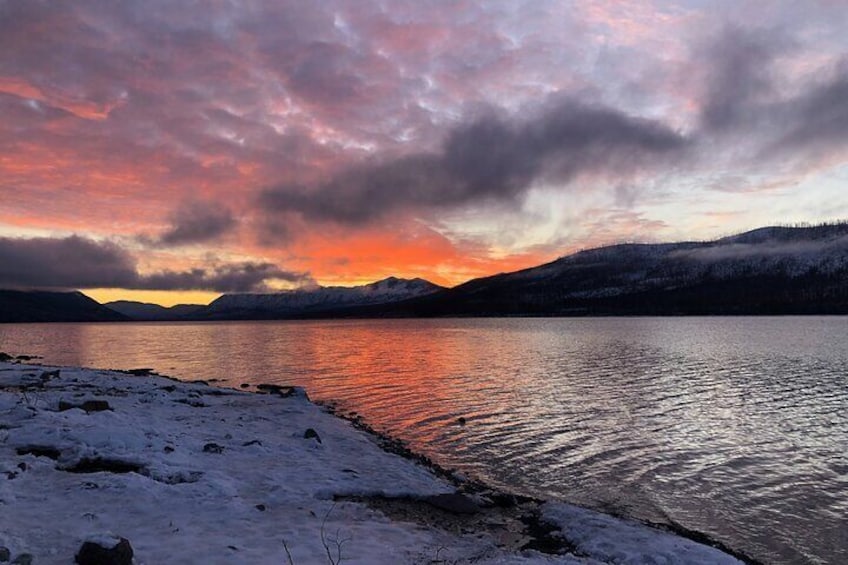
(93, 553)
(244, 385)
(5, 357)
(251, 442)
(454, 503)
(102, 465)
(168, 449)
(461, 421)
(22, 559)
(193, 402)
(279, 390)
(47, 375)
(89, 406)
(260, 507)
(213, 448)
(310, 433)
(503, 500)
(39, 451)
(95, 406)
(5, 554)
(142, 372)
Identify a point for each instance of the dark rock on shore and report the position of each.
(40, 451)
(89, 406)
(455, 503)
(47, 375)
(141, 372)
(280, 390)
(99, 464)
(92, 553)
(213, 448)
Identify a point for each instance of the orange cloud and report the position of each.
(337, 256)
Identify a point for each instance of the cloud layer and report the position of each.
(76, 262)
(514, 130)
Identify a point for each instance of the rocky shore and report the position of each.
(129, 467)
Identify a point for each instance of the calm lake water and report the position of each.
(734, 427)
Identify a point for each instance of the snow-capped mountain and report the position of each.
(305, 301)
(769, 270)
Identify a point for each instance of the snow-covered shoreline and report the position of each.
(191, 473)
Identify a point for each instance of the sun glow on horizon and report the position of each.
(165, 298)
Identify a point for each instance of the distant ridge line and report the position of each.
(774, 270)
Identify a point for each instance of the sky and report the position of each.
(173, 151)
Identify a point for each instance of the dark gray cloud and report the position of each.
(817, 120)
(72, 262)
(493, 157)
(75, 262)
(239, 277)
(740, 76)
(746, 95)
(198, 222)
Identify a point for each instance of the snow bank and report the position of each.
(613, 540)
(194, 474)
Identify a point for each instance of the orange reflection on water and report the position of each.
(402, 372)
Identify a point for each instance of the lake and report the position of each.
(733, 427)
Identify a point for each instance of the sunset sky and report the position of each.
(169, 151)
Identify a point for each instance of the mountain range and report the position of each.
(43, 306)
(153, 312)
(297, 303)
(773, 270)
